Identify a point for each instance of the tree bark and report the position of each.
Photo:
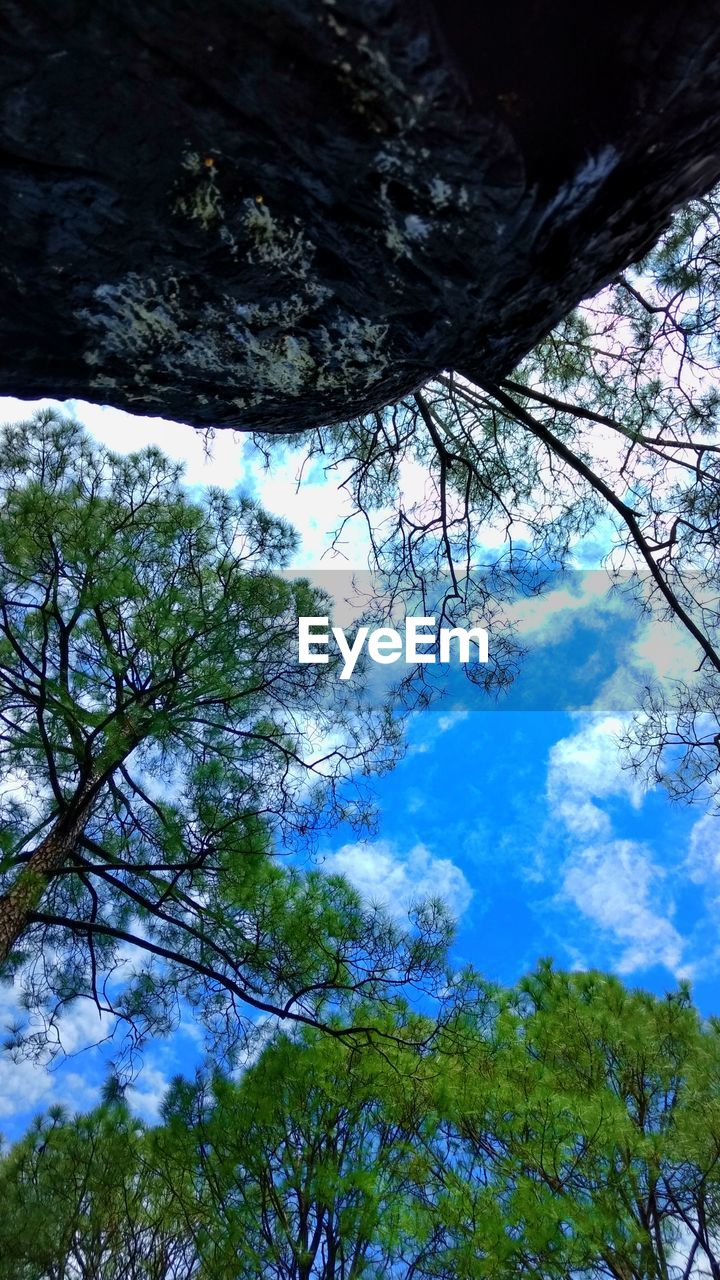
(58, 846)
(272, 214)
(28, 889)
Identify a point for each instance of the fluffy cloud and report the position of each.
(551, 617)
(219, 460)
(454, 716)
(381, 873)
(614, 885)
(226, 459)
(586, 767)
(703, 860)
(145, 1097)
(667, 649)
(29, 1085)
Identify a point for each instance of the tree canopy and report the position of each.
(601, 449)
(159, 742)
(160, 745)
(569, 1127)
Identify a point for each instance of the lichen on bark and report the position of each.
(275, 215)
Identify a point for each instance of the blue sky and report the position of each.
(520, 812)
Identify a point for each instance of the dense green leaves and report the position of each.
(81, 1198)
(566, 1127)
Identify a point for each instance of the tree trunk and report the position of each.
(59, 844)
(27, 891)
(273, 214)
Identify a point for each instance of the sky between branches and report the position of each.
(519, 813)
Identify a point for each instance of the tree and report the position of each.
(568, 1126)
(426, 186)
(590, 1124)
(81, 1199)
(293, 1171)
(298, 1167)
(156, 747)
(609, 428)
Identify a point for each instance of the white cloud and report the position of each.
(29, 1085)
(614, 885)
(586, 767)
(317, 508)
(431, 726)
(218, 461)
(703, 860)
(81, 1025)
(381, 873)
(228, 459)
(654, 646)
(551, 616)
(667, 648)
(146, 1096)
(454, 716)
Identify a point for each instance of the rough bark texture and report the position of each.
(274, 213)
(28, 889)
